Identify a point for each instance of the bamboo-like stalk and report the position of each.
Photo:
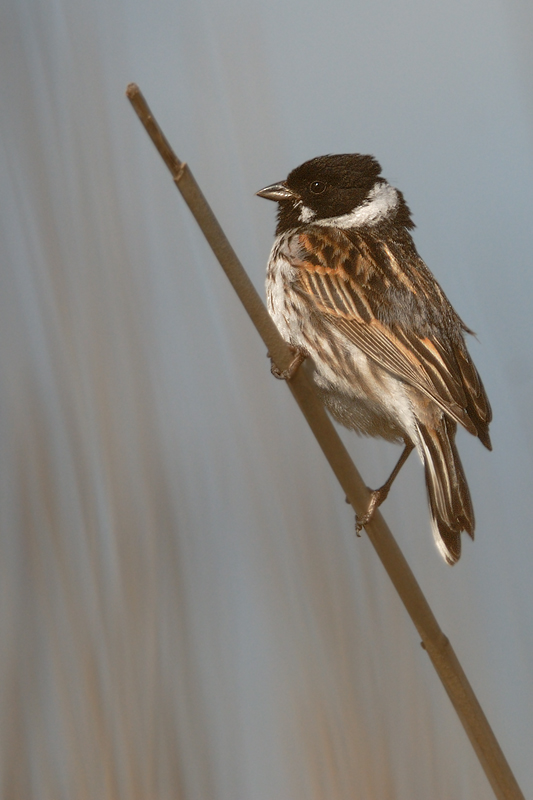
(434, 641)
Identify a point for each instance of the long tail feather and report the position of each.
(449, 497)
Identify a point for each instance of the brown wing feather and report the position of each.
(362, 286)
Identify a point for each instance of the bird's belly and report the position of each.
(365, 398)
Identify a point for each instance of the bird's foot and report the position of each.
(289, 373)
(377, 497)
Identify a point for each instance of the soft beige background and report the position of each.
(184, 609)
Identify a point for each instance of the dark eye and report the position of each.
(317, 187)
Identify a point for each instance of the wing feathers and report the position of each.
(375, 304)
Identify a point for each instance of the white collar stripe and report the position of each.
(381, 200)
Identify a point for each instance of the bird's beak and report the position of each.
(278, 191)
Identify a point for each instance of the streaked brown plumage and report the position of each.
(346, 286)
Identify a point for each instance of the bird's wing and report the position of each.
(395, 313)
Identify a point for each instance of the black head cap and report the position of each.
(329, 186)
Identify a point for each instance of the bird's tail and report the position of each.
(449, 497)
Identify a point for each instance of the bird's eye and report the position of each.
(317, 187)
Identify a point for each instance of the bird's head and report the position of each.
(340, 190)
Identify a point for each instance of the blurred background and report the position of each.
(185, 611)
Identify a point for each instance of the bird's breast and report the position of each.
(283, 303)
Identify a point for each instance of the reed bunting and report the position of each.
(348, 290)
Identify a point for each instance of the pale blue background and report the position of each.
(185, 611)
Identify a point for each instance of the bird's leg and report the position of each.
(290, 372)
(377, 496)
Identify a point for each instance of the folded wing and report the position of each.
(381, 297)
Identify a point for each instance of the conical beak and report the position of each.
(278, 191)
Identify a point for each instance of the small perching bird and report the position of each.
(348, 290)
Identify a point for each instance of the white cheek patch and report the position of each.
(381, 200)
(306, 214)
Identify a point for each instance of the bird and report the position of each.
(349, 292)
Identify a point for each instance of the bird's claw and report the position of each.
(377, 497)
(289, 373)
